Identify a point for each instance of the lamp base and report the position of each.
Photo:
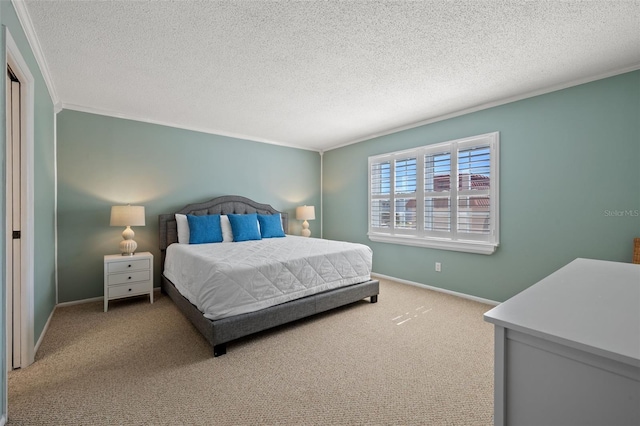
(127, 245)
(305, 229)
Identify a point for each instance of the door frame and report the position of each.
(19, 67)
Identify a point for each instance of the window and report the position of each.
(441, 196)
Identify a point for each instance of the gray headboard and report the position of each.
(228, 204)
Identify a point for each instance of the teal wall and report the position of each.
(44, 179)
(568, 168)
(3, 217)
(104, 161)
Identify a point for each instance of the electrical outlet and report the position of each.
(438, 267)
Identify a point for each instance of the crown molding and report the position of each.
(108, 113)
(30, 32)
(492, 104)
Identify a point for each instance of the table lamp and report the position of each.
(127, 216)
(305, 213)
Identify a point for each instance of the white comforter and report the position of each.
(226, 279)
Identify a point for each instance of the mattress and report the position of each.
(226, 279)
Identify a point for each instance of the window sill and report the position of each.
(463, 246)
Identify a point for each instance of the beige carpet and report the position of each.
(416, 357)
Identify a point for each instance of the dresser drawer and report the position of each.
(128, 278)
(128, 290)
(132, 265)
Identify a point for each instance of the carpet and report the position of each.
(417, 357)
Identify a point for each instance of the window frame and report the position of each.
(454, 239)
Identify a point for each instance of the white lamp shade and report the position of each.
(305, 213)
(127, 216)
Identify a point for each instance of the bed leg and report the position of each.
(220, 349)
(374, 298)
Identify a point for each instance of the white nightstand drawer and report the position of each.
(128, 290)
(132, 265)
(129, 278)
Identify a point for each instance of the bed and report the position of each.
(219, 329)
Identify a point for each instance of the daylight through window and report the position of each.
(442, 196)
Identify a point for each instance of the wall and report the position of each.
(44, 179)
(104, 161)
(569, 187)
(3, 218)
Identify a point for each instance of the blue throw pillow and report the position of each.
(244, 226)
(204, 229)
(270, 225)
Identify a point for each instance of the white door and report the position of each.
(14, 190)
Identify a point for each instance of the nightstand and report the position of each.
(126, 276)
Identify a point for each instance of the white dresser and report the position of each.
(126, 276)
(567, 349)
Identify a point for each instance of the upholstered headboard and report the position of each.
(228, 204)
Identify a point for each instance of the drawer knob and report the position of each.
(128, 266)
(129, 277)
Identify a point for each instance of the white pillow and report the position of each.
(227, 233)
(183, 228)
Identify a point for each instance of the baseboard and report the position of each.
(44, 331)
(91, 299)
(438, 289)
(79, 302)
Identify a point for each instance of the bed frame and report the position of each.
(219, 332)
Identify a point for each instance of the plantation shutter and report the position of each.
(405, 193)
(437, 193)
(473, 215)
(380, 186)
(442, 196)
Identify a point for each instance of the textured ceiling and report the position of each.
(321, 74)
